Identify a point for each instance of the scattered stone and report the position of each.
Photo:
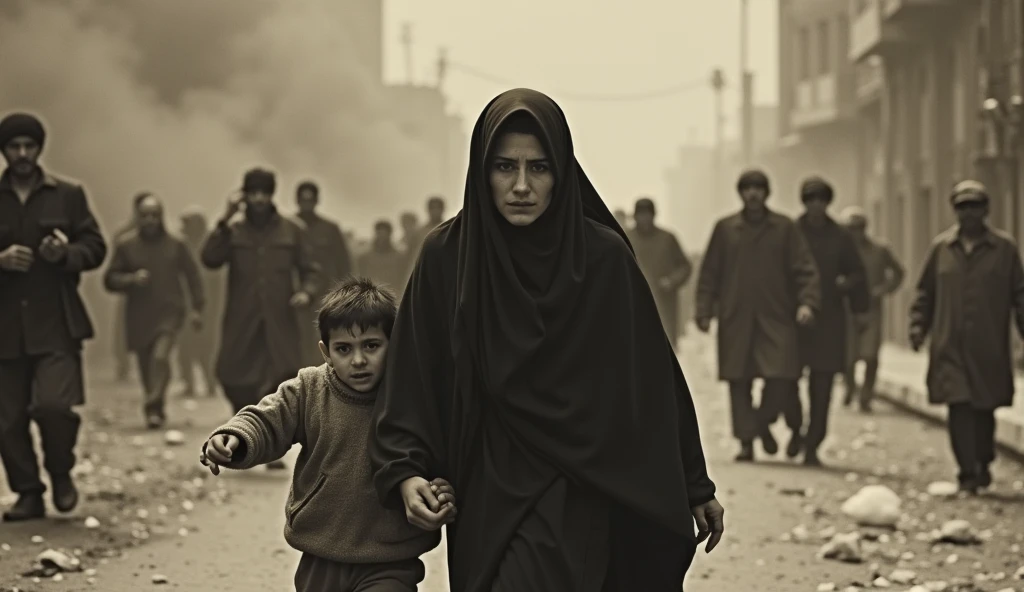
(160, 579)
(843, 547)
(874, 505)
(903, 576)
(942, 489)
(38, 540)
(827, 587)
(958, 532)
(880, 583)
(92, 522)
(174, 438)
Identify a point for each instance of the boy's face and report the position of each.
(357, 356)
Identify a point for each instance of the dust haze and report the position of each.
(180, 97)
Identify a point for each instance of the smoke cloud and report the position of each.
(181, 97)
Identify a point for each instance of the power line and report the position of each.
(670, 91)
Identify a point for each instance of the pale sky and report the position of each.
(594, 47)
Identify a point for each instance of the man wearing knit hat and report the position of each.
(663, 263)
(971, 285)
(823, 344)
(48, 238)
(884, 276)
(267, 255)
(759, 279)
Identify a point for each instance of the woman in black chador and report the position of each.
(528, 366)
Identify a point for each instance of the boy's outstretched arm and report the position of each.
(261, 433)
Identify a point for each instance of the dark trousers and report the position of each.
(316, 574)
(776, 397)
(819, 394)
(972, 432)
(242, 395)
(867, 390)
(155, 372)
(44, 389)
(194, 352)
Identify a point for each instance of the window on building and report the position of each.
(803, 58)
(824, 49)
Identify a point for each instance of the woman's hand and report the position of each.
(422, 509)
(710, 519)
(445, 494)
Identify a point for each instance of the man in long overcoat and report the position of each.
(266, 255)
(663, 263)
(330, 253)
(759, 279)
(197, 343)
(884, 276)
(971, 283)
(150, 267)
(48, 238)
(823, 344)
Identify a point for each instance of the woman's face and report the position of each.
(521, 178)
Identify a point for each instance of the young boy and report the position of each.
(348, 540)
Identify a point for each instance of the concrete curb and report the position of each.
(914, 399)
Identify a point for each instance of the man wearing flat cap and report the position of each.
(663, 263)
(48, 238)
(759, 279)
(271, 274)
(971, 283)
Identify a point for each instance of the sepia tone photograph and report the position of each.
(542, 296)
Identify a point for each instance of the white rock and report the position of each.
(942, 489)
(828, 587)
(1019, 574)
(92, 522)
(38, 540)
(174, 438)
(842, 547)
(874, 505)
(958, 532)
(903, 576)
(159, 579)
(880, 583)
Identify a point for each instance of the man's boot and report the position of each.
(796, 444)
(65, 494)
(746, 453)
(30, 506)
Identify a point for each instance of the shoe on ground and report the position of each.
(65, 494)
(768, 442)
(276, 465)
(795, 446)
(746, 453)
(155, 422)
(969, 486)
(984, 477)
(848, 398)
(28, 507)
(811, 459)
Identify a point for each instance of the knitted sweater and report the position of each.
(333, 511)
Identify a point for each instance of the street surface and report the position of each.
(160, 514)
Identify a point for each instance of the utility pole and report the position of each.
(407, 43)
(718, 86)
(746, 88)
(442, 66)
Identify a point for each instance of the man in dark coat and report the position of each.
(330, 253)
(759, 279)
(149, 266)
(122, 366)
(884, 276)
(663, 264)
(971, 283)
(384, 263)
(48, 238)
(196, 348)
(267, 256)
(823, 344)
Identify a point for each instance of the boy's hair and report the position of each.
(356, 302)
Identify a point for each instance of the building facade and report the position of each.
(926, 127)
(818, 123)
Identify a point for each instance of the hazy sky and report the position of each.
(594, 47)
